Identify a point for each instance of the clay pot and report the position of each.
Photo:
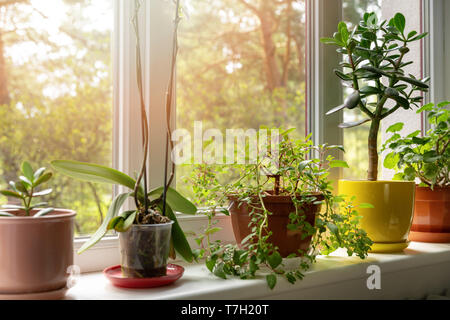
(288, 241)
(431, 221)
(35, 253)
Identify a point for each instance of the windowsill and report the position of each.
(422, 269)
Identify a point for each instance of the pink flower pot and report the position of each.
(35, 253)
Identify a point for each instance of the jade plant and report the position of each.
(374, 67)
(26, 189)
(427, 157)
(305, 181)
(156, 206)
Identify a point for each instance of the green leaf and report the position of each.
(404, 103)
(302, 165)
(396, 127)
(218, 271)
(370, 36)
(419, 37)
(6, 214)
(43, 212)
(27, 171)
(348, 125)
(391, 160)
(129, 220)
(42, 179)
(123, 222)
(369, 90)
(39, 173)
(176, 201)
(329, 41)
(13, 207)
(101, 231)
(271, 280)
(43, 193)
(338, 164)
(430, 171)
(400, 22)
(427, 107)
(93, 173)
(366, 206)
(13, 194)
(336, 109)
(274, 260)
(353, 100)
(414, 82)
(210, 263)
(180, 242)
(431, 156)
(343, 30)
(25, 182)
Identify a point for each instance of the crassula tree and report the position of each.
(374, 67)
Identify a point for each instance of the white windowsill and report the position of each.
(422, 269)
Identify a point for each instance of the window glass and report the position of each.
(355, 139)
(56, 96)
(241, 65)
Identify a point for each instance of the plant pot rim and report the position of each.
(378, 181)
(57, 214)
(154, 226)
(434, 189)
(280, 197)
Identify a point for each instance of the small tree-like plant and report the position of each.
(374, 67)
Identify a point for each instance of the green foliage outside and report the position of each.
(56, 97)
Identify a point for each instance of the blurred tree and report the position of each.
(57, 80)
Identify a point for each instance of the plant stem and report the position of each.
(372, 173)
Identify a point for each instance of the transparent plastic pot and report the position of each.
(144, 250)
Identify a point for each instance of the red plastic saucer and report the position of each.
(114, 274)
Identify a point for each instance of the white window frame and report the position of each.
(323, 91)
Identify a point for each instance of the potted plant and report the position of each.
(277, 212)
(149, 231)
(426, 159)
(374, 67)
(36, 243)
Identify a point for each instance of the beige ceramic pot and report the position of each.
(35, 253)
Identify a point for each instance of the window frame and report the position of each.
(323, 17)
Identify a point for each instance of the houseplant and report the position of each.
(426, 159)
(150, 231)
(374, 67)
(36, 243)
(276, 213)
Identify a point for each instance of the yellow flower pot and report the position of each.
(389, 222)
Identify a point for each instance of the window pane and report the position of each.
(355, 139)
(241, 65)
(56, 96)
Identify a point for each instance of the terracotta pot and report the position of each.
(387, 224)
(288, 241)
(35, 252)
(431, 221)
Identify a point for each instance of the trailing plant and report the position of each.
(298, 176)
(26, 190)
(154, 206)
(426, 158)
(374, 67)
